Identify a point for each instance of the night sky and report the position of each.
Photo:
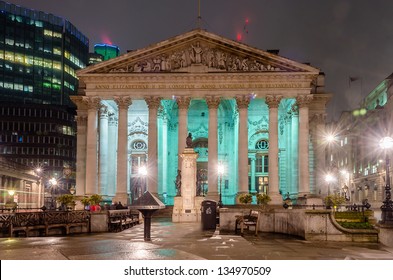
(342, 38)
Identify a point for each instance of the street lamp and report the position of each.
(329, 179)
(386, 144)
(220, 170)
(142, 171)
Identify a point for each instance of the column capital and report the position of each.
(81, 120)
(92, 103)
(103, 111)
(183, 101)
(112, 118)
(242, 101)
(213, 101)
(303, 100)
(153, 102)
(273, 101)
(123, 102)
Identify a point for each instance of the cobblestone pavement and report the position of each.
(184, 241)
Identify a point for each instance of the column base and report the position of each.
(122, 197)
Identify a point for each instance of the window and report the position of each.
(262, 145)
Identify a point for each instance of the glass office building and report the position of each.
(39, 56)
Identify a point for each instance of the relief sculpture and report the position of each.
(198, 54)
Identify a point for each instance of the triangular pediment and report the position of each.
(197, 51)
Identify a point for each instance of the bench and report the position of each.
(247, 221)
(122, 219)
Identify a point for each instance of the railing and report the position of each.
(352, 207)
(43, 222)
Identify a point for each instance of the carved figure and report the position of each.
(198, 53)
(189, 141)
(178, 183)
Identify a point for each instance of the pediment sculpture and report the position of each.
(197, 53)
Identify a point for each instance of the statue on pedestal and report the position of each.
(189, 141)
(178, 183)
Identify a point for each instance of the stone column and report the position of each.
(304, 173)
(153, 102)
(273, 101)
(93, 104)
(317, 139)
(103, 158)
(212, 103)
(123, 102)
(253, 189)
(242, 105)
(112, 148)
(182, 102)
(80, 179)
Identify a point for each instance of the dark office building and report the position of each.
(39, 56)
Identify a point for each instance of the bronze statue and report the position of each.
(189, 141)
(178, 183)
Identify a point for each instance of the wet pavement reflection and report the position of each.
(184, 241)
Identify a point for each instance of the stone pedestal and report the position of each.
(187, 206)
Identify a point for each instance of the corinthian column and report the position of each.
(81, 120)
(242, 105)
(103, 159)
(122, 149)
(304, 173)
(319, 149)
(212, 103)
(273, 101)
(112, 156)
(182, 102)
(153, 102)
(93, 103)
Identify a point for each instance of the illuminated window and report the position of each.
(9, 56)
(9, 41)
(56, 65)
(56, 51)
(38, 23)
(48, 32)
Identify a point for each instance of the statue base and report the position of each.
(183, 214)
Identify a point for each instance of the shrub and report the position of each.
(263, 198)
(334, 200)
(245, 198)
(66, 199)
(95, 199)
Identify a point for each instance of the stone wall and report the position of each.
(313, 225)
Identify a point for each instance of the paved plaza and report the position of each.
(184, 241)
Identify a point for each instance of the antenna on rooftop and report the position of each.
(199, 15)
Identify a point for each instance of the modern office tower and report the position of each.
(95, 58)
(107, 51)
(39, 56)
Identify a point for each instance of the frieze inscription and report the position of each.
(199, 86)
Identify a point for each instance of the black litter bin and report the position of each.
(208, 215)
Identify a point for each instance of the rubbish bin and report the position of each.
(208, 215)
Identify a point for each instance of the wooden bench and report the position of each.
(247, 221)
(122, 219)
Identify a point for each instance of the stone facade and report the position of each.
(249, 109)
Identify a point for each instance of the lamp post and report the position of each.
(386, 144)
(220, 170)
(329, 179)
(53, 184)
(142, 171)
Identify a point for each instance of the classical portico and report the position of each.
(246, 108)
